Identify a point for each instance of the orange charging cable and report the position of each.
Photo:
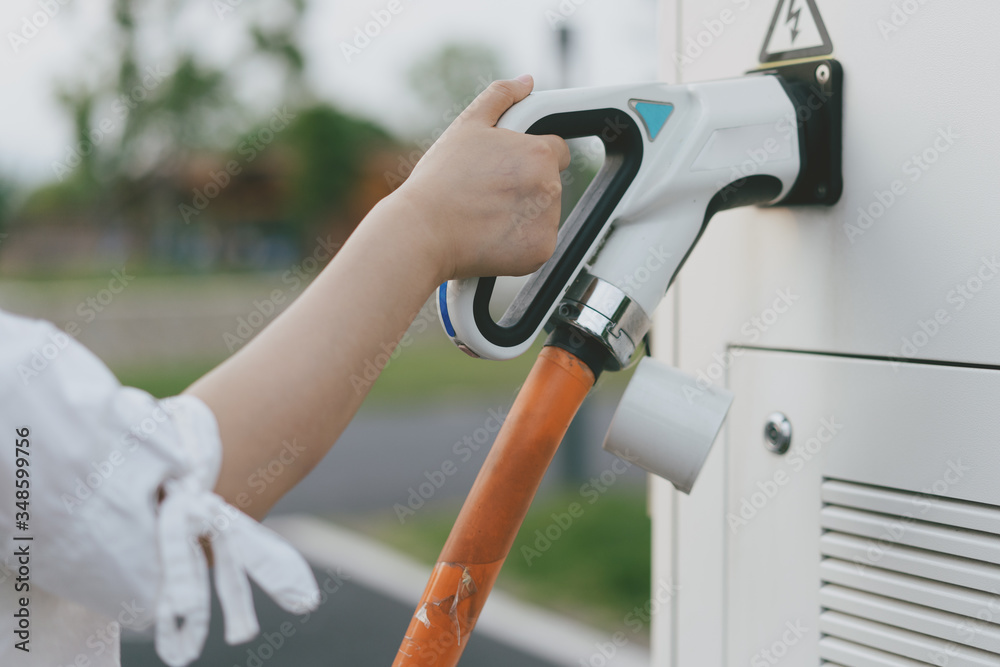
(494, 510)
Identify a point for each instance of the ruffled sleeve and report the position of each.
(121, 504)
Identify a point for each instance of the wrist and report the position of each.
(402, 220)
(408, 219)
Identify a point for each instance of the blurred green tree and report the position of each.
(7, 193)
(331, 147)
(133, 123)
(146, 133)
(447, 80)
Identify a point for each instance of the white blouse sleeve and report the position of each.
(120, 494)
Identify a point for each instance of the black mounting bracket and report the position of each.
(816, 88)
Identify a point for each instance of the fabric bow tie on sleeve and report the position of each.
(242, 549)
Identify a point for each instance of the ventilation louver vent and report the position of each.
(908, 579)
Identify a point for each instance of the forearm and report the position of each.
(288, 395)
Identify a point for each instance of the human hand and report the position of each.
(488, 198)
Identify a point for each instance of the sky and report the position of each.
(615, 42)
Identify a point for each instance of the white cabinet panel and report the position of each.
(900, 463)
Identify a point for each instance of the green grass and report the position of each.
(92, 274)
(433, 369)
(161, 380)
(597, 569)
(421, 372)
(427, 370)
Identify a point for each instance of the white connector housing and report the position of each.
(666, 422)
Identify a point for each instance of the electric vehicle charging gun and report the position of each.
(674, 156)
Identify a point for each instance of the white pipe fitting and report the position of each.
(666, 422)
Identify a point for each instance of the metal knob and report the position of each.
(778, 433)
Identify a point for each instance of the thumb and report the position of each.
(497, 98)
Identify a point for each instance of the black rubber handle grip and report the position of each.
(622, 141)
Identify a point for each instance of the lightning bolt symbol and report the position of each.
(793, 16)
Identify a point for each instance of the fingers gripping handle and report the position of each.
(465, 304)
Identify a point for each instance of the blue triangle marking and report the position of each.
(654, 115)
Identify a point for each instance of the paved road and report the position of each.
(354, 627)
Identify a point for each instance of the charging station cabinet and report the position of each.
(849, 513)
